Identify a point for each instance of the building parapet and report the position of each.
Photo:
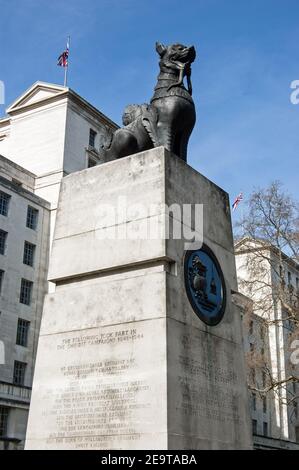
(263, 442)
(14, 392)
(24, 192)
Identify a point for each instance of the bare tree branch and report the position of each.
(268, 245)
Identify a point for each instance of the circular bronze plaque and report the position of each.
(205, 285)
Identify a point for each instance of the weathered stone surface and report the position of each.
(106, 391)
(123, 360)
(205, 399)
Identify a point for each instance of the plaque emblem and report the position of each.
(205, 285)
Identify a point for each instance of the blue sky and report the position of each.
(247, 130)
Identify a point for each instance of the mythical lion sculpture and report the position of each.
(169, 118)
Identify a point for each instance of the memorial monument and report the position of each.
(141, 344)
(169, 118)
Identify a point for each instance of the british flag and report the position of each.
(63, 58)
(237, 201)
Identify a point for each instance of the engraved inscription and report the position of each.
(99, 390)
(111, 337)
(207, 380)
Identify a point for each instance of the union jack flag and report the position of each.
(237, 201)
(63, 58)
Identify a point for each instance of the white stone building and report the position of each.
(269, 342)
(52, 132)
(48, 132)
(24, 252)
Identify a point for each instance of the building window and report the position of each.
(19, 373)
(297, 434)
(264, 405)
(26, 292)
(254, 426)
(254, 402)
(4, 203)
(22, 332)
(32, 216)
(3, 237)
(252, 376)
(3, 420)
(1, 279)
(29, 250)
(91, 162)
(264, 379)
(289, 278)
(265, 429)
(251, 346)
(16, 182)
(92, 138)
(297, 283)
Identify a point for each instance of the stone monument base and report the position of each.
(123, 361)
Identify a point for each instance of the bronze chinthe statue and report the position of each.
(169, 118)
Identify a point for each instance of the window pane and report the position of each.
(91, 163)
(265, 429)
(26, 292)
(19, 373)
(264, 379)
(264, 404)
(92, 137)
(32, 216)
(1, 279)
(29, 250)
(3, 420)
(254, 426)
(22, 332)
(254, 401)
(4, 203)
(3, 237)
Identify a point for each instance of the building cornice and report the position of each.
(4, 120)
(30, 92)
(92, 109)
(37, 104)
(251, 245)
(62, 93)
(25, 193)
(16, 166)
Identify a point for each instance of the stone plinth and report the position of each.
(123, 361)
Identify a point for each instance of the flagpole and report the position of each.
(65, 76)
(67, 67)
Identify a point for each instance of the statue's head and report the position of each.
(132, 112)
(176, 53)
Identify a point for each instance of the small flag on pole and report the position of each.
(63, 58)
(237, 201)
